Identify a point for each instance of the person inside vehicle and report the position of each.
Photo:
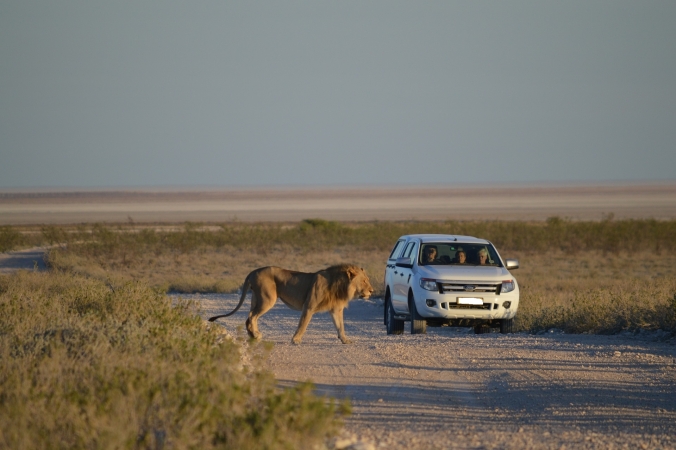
(482, 256)
(460, 257)
(430, 255)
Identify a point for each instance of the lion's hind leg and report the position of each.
(261, 302)
(252, 326)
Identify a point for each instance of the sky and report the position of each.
(343, 93)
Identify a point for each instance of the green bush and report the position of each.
(87, 364)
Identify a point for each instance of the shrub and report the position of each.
(10, 239)
(93, 365)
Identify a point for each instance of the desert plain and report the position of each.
(509, 202)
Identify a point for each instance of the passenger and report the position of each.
(430, 255)
(483, 256)
(460, 257)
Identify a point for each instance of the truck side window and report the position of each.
(408, 250)
(397, 248)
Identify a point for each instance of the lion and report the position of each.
(327, 290)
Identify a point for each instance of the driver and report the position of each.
(429, 255)
(460, 257)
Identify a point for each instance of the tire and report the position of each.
(387, 299)
(394, 326)
(418, 324)
(481, 329)
(507, 326)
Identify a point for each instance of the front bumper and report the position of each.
(445, 306)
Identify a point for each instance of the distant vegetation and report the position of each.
(556, 233)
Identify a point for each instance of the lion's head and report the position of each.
(347, 281)
(360, 281)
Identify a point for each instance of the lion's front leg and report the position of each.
(337, 316)
(302, 325)
(312, 301)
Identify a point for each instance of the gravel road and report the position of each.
(453, 389)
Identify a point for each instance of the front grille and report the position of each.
(454, 306)
(469, 286)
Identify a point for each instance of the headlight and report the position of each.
(428, 284)
(507, 286)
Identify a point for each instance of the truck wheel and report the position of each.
(393, 326)
(418, 324)
(387, 299)
(507, 326)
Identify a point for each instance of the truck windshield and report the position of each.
(432, 253)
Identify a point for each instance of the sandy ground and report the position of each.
(453, 389)
(382, 203)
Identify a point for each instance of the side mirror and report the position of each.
(512, 264)
(404, 262)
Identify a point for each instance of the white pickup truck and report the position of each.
(447, 280)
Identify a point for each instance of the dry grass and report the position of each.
(596, 292)
(11, 239)
(215, 270)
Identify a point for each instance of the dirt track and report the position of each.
(453, 389)
(28, 259)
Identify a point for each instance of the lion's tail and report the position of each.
(245, 290)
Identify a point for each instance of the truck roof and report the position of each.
(445, 238)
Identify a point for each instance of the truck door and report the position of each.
(401, 279)
(389, 270)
